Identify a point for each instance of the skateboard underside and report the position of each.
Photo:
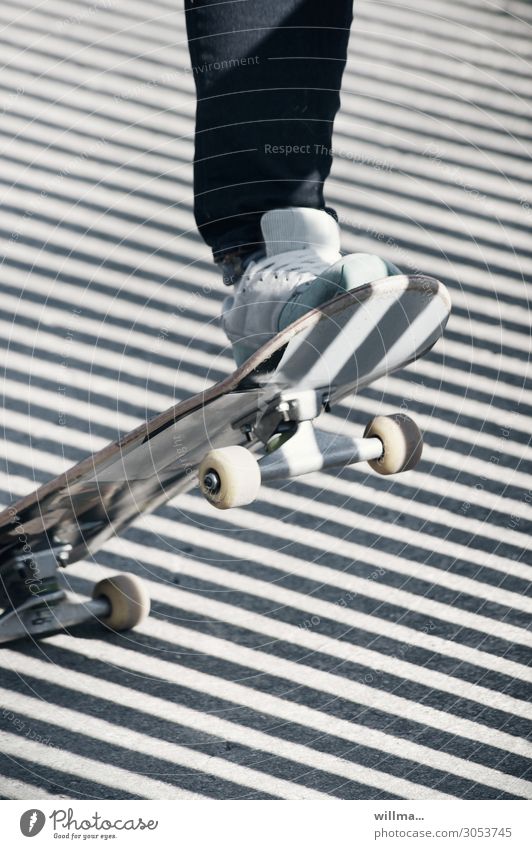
(324, 356)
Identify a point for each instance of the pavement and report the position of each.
(349, 636)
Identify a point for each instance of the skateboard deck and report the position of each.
(326, 355)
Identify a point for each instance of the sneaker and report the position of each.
(299, 269)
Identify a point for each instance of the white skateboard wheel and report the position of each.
(229, 477)
(402, 443)
(128, 598)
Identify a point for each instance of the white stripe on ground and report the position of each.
(177, 757)
(285, 710)
(54, 758)
(11, 788)
(308, 675)
(211, 724)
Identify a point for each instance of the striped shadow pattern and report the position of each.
(349, 636)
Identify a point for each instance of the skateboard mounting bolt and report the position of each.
(284, 409)
(211, 481)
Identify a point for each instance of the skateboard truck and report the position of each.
(231, 476)
(327, 354)
(311, 450)
(37, 604)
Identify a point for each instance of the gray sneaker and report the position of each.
(302, 268)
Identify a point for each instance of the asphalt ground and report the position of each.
(349, 636)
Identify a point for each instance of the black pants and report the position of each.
(268, 75)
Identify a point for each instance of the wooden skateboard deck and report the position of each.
(327, 354)
(345, 345)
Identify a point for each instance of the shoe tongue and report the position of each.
(297, 228)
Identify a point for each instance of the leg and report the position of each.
(268, 75)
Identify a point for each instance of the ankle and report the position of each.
(233, 264)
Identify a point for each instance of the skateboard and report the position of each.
(256, 425)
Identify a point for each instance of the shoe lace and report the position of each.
(301, 265)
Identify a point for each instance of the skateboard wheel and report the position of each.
(129, 601)
(229, 477)
(402, 443)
